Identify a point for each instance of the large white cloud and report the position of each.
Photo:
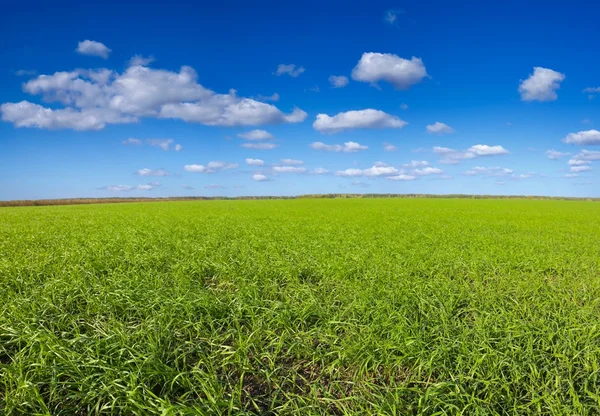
(401, 73)
(588, 137)
(95, 98)
(541, 85)
(347, 147)
(365, 119)
(93, 48)
(439, 128)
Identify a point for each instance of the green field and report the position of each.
(358, 306)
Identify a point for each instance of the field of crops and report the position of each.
(359, 306)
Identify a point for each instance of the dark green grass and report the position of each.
(382, 306)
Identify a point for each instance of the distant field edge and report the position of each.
(79, 201)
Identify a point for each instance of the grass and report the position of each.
(301, 307)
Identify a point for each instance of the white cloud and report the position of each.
(118, 188)
(541, 85)
(347, 147)
(292, 162)
(260, 177)
(578, 162)
(93, 48)
(320, 171)
(392, 15)
(274, 97)
(582, 168)
(131, 140)
(139, 60)
(588, 137)
(588, 155)
(555, 154)
(404, 106)
(571, 175)
(401, 73)
(592, 90)
(360, 119)
(164, 144)
(95, 98)
(315, 89)
(210, 167)
(338, 81)
(178, 148)
(416, 164)
(388, 147)
(452, 156)
(289, 69)
(255, 162)
(489, 171)
(147, 187)
(288, 169)
(152, 172)
(428, 171)
(259, 146)
(402, 177)
(439, 128)
(349, 172)
(380, 171)
(256, 135)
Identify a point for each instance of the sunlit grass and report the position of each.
(380, 306)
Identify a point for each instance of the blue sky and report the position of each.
(236, 98)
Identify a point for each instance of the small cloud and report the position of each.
(357, 119)
(188, 187)
(26, 72)
(118, 188)
(133, 141)
(541, 85)
(338, 81)
(164, 144)
(152, 172)
(289, 69)
(254, 162)
(288, 169)
(139, 60)
(210, 167)
(178, 148)
(347, 147)
(589, 137)
(292, 162)
(388, 147)
(404, 106)
(274, 97)
(214, 186)
(581, 168)
(401, 73)
(452, 156)
(93, 48)
(439, 128)
(392, 15)
(586, 121)
(259, 177)
(256, 135)
(402, 177)
(555, 154)
(360, 184)
(428, 171)
(259, 146)
(315, 89)
(320, 171)
(416, 164)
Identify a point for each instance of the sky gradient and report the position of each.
(277, 98)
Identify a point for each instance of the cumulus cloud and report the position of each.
(320, 171)
(541, 85)
(452, 156)
(259, 146)
(428, 171)
(349, 172)
(358, 119)
(260, 177)
(388, 147)
(93, 48)
(439, 128)
(588, 137)
(95, 98)
(401, 73)
(347, 147)
(256, 135)
(152, 172)
(338, 81)
(416, 164)
(555, 154)
(292, 162)
(254, 162)
(289, 69)
(288, 169)
(402, 177)
(210, 167)
(581, 168)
